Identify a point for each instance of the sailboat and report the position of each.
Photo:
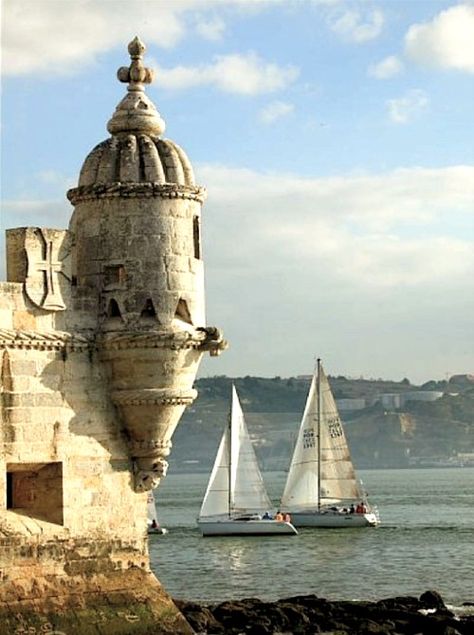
(153, 526)
(236, 501)
(322, 489)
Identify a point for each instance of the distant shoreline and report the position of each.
(205, 470)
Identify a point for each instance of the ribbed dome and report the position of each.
(135, 153)
(136, 158)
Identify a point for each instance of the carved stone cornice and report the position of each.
(204, 339)
(135, 190)
(144, 447)
(42, 341)
(154, 396)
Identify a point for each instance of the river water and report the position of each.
(425, 541)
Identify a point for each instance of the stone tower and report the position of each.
(102, 328)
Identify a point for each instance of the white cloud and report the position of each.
(36, 213)
(370, 271)
(353, 26)
(378, 230)
(326, 2)
(245, 74)
(212, 29)
(63, 36)
(79, 31)
(386, 68)
(274, 111)
(55, 178)
(410, 106)
(445, 42)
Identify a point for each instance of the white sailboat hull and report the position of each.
(333, 519)
(160, 531)
(230, 527)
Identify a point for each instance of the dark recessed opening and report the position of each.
(182, 311)
(148, 310)
(9, 490)
(114, 274)
(113, 310)
(197, 237)
(36, 490)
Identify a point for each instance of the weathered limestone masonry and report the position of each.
(102, 328)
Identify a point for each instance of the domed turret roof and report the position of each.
(137, 158)
(136, 153)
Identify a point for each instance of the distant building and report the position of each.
(345, 405)
(421, 395)
(395, 401)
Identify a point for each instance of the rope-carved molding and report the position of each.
(206, 339)
(145, 446)
(210, 339)
(43, 341)
(154, 396)
(136, 190)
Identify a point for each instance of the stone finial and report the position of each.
(136, 113)
(136, 74)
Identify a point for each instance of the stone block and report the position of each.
(22, 366)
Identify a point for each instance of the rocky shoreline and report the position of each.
(309, 614)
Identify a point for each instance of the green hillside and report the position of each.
(416, 434)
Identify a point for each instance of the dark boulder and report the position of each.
(432, 600)
(309, 615)
(200, 618)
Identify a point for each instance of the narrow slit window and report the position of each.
(197, 237)
(9, 490)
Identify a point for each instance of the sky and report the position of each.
(334, 137)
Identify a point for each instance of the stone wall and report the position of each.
(73, 544)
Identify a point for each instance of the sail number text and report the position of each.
(309, 439)
(334, 427)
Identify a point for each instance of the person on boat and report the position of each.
(352, 509)
(154, 524)
(266, 516)
(287, 518)
(279, 516)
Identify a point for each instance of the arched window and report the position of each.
(113, 310)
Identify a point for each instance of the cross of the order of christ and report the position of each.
(42, 284)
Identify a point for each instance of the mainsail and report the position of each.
(236, 484)
(321, 470)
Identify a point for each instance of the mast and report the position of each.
(230, 501)
(319, 432)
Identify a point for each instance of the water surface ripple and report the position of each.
(426, 541)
